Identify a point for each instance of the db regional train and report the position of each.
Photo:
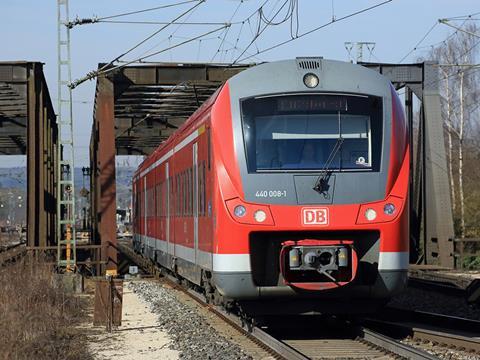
(286, 191)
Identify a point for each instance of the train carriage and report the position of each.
(289, 185)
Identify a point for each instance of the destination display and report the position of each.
(311, 103)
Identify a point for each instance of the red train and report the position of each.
(286, 191)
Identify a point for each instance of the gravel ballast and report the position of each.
(190, 333)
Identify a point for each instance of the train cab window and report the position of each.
(312, 132)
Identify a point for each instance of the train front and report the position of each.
(312, 199)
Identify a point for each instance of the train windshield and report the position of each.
(312, 132)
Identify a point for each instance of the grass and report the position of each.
(38, 318)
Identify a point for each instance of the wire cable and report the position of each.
(140, 59)
(169, 38)
(418, 43)
(146, 10)
(161, 29)
(161, 23)
(226, 31)
(260, 31)
(105, 69)
(462, 17)
(445, 22)
(317, 28)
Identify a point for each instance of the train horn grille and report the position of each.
(308, 63)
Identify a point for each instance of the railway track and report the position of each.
(442, 330)
(351, 342)
(469, 290)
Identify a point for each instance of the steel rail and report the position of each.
(424, 318)
(394, 346)
(443, 286)
(448, 331)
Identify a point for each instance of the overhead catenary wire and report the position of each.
(264, 22)
(419, 42)
(462, 17)
(445, 22)
(169, 38)
(95, 73)
(147, 10)
(140, 59)
(160, 30)
(227, 30)
(267, 23)
(416, 47)
(95, 19)
(163, 23)
(316, 29)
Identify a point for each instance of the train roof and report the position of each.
(343, 72)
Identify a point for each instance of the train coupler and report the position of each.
(317, 261)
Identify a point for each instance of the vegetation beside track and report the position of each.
(38, 317)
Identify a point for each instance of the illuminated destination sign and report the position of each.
(312, 103)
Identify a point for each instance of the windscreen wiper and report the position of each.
(321, 185)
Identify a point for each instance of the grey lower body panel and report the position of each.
(241, 286)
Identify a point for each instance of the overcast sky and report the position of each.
(29, 32)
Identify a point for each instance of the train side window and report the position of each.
(189, 190)
(201, 190)
(158, 194)
(145, 202)
(167, 200)
(187, 193)
(150, 202)
(209, 150)
(171, 203)
(204, 208)
(180, 193)
(137, 204)
(190, 193)
(184, 193)
(177, 194)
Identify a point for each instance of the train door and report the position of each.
(195, 199)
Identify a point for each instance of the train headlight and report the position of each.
(240, 211)
(310, 80)
(370, 214)
(389, 209)
(260, 216)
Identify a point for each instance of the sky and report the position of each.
(29, 32)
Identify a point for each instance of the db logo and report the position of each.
(315, 216)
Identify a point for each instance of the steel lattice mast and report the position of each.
(66, 240)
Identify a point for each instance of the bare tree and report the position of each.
(457, 56)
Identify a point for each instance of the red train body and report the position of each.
(279, 192)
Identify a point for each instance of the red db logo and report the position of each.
(315, 216)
